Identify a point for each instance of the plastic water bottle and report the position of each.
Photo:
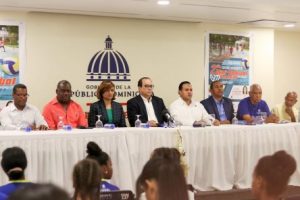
(109, 126)
(235, 121)
(60, 124)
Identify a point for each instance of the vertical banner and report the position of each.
(227, 59)
(11, 58)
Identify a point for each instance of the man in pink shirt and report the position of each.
(63, 107)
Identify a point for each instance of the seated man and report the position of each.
(20, 115)
(186, 111)
(217, 104)
(63, 107)
(253, 105)
(148, 106)
(286, 111)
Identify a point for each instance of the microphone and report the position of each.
(167, 116)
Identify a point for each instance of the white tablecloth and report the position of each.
(217, 157)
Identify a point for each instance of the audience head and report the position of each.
(95, 152)
(255, 93)
(14, 163)
(290, 99)
(185, 91)
(271, 175)
(63, 92)
(162, 179)
(86, 180)
(216, 89)
(20, 95)
(145, 87)
(106, 91)
(39, 192)
(171, 154)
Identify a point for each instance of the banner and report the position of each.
(227, 60)
(11, 58)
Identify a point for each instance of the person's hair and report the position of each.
(104, 87)
(276, 170)
(171, 154)
(62, 82)
(18, 86)
(140, 82)
(8, 102)
(95, 153)
(87, 180)
(39, 192)
(292, 93)
(211, 86)
(169, 176)
(182, 83)
(14, 162)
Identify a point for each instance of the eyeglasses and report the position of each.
(149, 86)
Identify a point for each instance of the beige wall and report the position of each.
(60, 47)
(287, 67)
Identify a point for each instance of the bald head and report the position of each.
(255, 93)
(290, 99)
(255, 87)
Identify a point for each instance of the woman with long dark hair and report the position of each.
(162, 179)
(271, 175)
(86, 180)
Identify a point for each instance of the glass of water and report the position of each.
(99, 123)
(137, 122)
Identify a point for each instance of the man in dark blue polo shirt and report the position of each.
(253, 106)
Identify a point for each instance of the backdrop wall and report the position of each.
(60, 47)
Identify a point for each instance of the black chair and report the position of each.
(117, 195)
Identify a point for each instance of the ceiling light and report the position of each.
(163, 2)
(289, 25)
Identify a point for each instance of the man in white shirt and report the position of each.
(287, 112)
(19, 114)
(186, 111)
(149, 107)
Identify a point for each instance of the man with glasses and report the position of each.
(217, 104)
(20, 115)
(149, 107)
(62, 107)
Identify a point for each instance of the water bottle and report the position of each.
(145, 125)
(109, 126)
(60, 124)
(235, 121)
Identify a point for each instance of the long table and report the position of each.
(217, 157)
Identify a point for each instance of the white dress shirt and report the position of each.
(13, 119)
(149, 109)
(188, 114)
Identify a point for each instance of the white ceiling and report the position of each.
(268, 13)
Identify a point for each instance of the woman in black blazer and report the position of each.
(110, 111)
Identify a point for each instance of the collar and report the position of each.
(12, 107)
(184, 103)
(146, 100)
(249, 100)
(55, 101)
(218, 102)
(20, 181)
